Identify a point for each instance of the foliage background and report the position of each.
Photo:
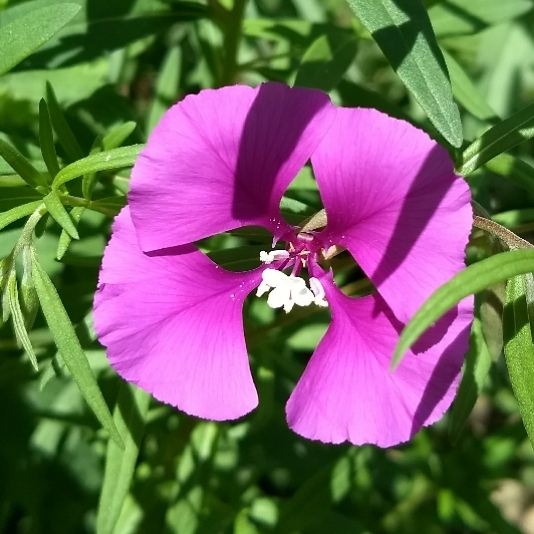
(120, 62)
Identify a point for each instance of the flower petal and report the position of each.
(394, 202)
(222, 159)
(172, 324)
(348, 393)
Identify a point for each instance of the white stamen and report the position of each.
(273, 255)
(290, 290)
(318, 291)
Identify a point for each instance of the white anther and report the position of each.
(273, 255)
(288, 290)
(318, 291)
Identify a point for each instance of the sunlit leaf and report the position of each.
(59, 213)
(519, 351)
(22, 166)
(472, 279)
(26, 34)
(129, 417)
(402, 29)
(70, 349)
(17, 213)
(498, 139)
(117, 158)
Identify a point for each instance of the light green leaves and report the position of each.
(473, 279)
(402, 29)
(26, 34)
(129, 417)
(117, 158)
(70, 349)
(519, 351)
(501, 137)
(22, 166)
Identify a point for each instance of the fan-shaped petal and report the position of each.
(172, 324)
(222, 159)
(348, 393)
(393, 200)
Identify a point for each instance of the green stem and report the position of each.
(232, 27)
(77, 202)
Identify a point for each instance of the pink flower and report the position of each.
(171, 319)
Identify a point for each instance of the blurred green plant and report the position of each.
(82, 84)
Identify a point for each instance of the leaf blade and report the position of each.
(24, 35)
(473, 279)
(70, 349)
(402, 30)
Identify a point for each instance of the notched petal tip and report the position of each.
(172, 327)
(347, 392)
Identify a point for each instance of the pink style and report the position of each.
(171, 319)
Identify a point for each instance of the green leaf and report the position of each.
(101, 161)
(129, 416)
(46, 139)
(17, 213)
(89, 179)
(118, 135)
(65, 239)
(513, 168)
(477, 366)
(472, 279)
(61, 127)
(498, 139)
(402, 30)
(22, 166)
(23, 36)
(18, 320)
(519, 352)
(166, 86)
(458, 17)
(59, 213)
(70, 349)
(466, 92)
(93, 33)
(326, 60)
(108, 206)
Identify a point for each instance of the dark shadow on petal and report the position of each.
(443, 376)
(414, 215)
(270, 135)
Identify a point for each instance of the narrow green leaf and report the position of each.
(102, 161)
(18, 320)
(402, 30)
(65, 239)
(472, 279)
(513, 168)
(498, 139)
(61, 127)
(118, 135)
(166, 86)
(89, 179)
(477, 366)
(519, 352)
(59, 213)
(326, 60)
(22, 166)
(12, 181)
(29, 302)
(108, 206)
(46, 139)
(23, 36)
(129, 416)
(17, 213)
(467, 93)
(71, 350)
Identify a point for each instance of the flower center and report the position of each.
(286, 290)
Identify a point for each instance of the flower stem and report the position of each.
(232, 27)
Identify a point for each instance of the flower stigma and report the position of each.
(286, 290)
